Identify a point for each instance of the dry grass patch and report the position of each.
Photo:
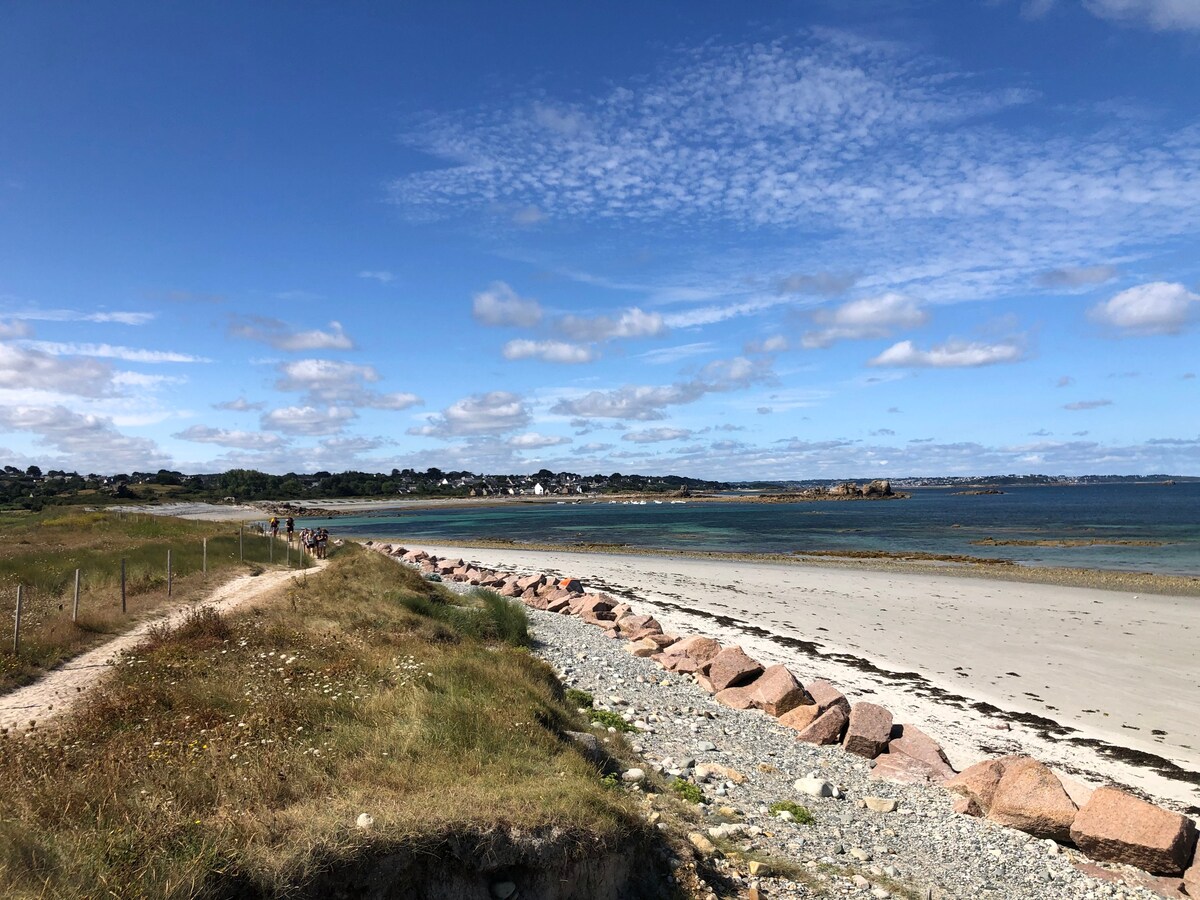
(240, 751)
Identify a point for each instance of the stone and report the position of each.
(642, 648)
(978, 783)
(596, 617)
(594, 604)
(1030, 798)
(699, 649)
(415, 556)
(715, 770)
(557, 606)
(503, 890)
(633, 776)
(966, 806)
(826, 695)
(1164, 887)
(571, 585)
(880, 804)
(813, 787)
(365, 821)
(1114, 826)
(702, 843)
(759, 869)
(868, 730)
(588, 745)
(1191, 878)
(509, 588)
(900, 769)
(732, 668)
(800, 717)
(776, 691)
(913, 742)
(827, 729)
(530, 581)
(661, 640)
(705, 683)
(621, 610)
(736, 697)
(633, 624)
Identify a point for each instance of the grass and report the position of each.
(234, 755)
(802, 814)
(41, 552)
(610, 719)
(687, 790)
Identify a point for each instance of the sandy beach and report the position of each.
(1101, 684)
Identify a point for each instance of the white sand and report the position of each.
(1112, 666)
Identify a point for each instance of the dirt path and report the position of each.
(57, 693)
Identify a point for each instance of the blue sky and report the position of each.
(812, 239)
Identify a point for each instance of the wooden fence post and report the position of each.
(241, 555)
(168, 571)
(289, 554)
(17, 625)
(272, 550)
(204, 559)
(122, 584)
(75, 605)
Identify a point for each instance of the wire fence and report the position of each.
(52, 600)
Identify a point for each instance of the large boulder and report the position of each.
(656, 635)
(898, 768)
(736, 697)
(1114, 826)
(826, 695)
(1191, 878)
(632, 624)
(776, 691)
(868, 730)
(800, 717)
(593, 603)
(732, 668)
(911, 741)
(644, 647)
(530, 581)
(827, 728)
(1030, 798)
(571, 585)
(698, 649)
(415, 556)
(977, 785)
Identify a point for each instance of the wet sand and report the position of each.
(1104, 684)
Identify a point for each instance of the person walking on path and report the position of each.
(274, 523)
(291, 528)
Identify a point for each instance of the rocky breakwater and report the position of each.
(1107, 824)
(880, 489)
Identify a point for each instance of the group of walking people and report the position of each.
(313, 540)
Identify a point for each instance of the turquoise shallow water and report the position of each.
(933, 521)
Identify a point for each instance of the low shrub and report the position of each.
(802, 814)
(579, 699)
(687, 790)
(610, 719)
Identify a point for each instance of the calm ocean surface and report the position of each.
(934, 521)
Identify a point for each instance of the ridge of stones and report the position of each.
(1109, 825)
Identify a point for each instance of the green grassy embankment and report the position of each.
(234, 756)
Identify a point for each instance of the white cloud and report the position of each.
(529, 215)
(774, 344)
(89, 443)
(327, 381)
(13, 329)
(492, 413)
(241, 404)
(533, 441)
(283, 337)
(870, 317)
(121, 318)
(109, 351)
(1077, 276)
(1154, 308)
(1161, 15)
(827, 284)
(656, 435)
(243, 440)
(31, 369)
(1087, 404)
(647, 402)
(380, 275)
(631, 323)
(952, 354)
(549, 351)
(499, 305)
(308, 420)
(668, 355)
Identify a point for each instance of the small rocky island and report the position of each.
(880, 489)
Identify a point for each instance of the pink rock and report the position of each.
(704, 682)
(1164, 887)
(700, 649)
(800, 717)
(1030, 798)
(868, 730)
(557, 605)
(911, 741)
(828, 727)
(595, 617)
(571, 585)
(621, 610)
(632, 624)
(966, 806)
(732, 668)
(530, 581)
(978, 783)
(1117, 827)
(643, 648)
(661, 640)
(901, 769)
(1191, 878)
(776, 691)
(736, 697)
(509, 589)
(826, 695)
(415, 555)
(594, 604)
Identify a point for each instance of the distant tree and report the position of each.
(33, 472)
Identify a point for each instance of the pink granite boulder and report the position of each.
(800, 717)
(732, 668)
(826, 695)
(698, 649)
(776, 691)
(911, 741)
(827, 728)
(868, 730)
(1030, 798)
(977, 785)
(1114, 826)
(898, 768)
(736, 697)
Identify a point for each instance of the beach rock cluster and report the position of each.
(1107, 824)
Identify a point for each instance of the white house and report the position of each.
(538, 490)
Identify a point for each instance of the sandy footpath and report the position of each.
(61, 689)
(1119, 672)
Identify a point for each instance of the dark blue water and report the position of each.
(932, 521)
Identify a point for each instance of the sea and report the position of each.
(1162, 521)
